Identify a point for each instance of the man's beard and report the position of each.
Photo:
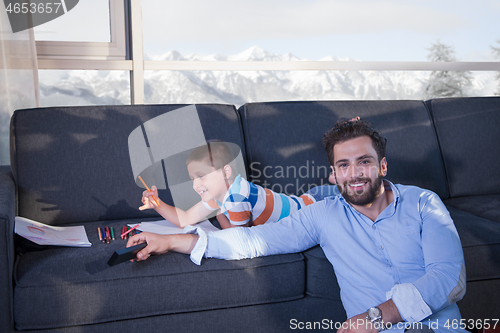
(366, 196)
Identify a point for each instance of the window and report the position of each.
(226, 51)
(80, 35)
(360, 30)
(84, 61)
(90, 23)
(83, 87)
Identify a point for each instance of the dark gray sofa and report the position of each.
(70, 166)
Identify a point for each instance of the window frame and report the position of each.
(116, 49)
(125, 52)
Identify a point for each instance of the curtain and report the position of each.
(18, 77)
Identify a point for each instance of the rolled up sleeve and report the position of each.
(409, 301)
(292, 234)
(199, 248)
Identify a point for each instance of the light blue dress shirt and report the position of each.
(411, 253)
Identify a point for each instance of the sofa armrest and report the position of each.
(7, 254)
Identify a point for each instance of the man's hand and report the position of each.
(358, 324)
(157, 244)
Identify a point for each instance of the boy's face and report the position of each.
(207, 182)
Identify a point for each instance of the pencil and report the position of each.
(103, 232)
(129, 230)
(112, 233)
(143, 183)
(99, 231)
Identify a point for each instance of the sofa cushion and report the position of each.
(480, 243)
(467, 130)
(485, 206)
(481, 302)
(481, 246)
(71, 164)
(7, 213)
(320, 276)
(286, 154)
(75, 286)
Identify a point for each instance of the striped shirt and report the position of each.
(245, 201)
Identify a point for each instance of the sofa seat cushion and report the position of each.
(480, 244)
(485, 206)
(61, 287)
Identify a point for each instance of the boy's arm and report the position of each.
(225, 223)
(182, 218)
(172, 214)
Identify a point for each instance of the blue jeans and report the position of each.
(323, 191)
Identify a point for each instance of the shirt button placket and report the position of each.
(381, 247)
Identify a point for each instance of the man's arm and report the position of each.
(293, 234)
(296, 233)
(444, 280)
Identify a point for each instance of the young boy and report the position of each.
(241, 203)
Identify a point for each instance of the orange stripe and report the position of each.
(213, 204)
(268, 210)
(307, 199)
(239, 216)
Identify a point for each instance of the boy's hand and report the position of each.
(157, 244)
(147, 199)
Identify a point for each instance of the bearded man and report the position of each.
(394, 248)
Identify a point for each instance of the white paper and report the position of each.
(165, 227)
(43, 234)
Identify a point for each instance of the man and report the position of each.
(394, 248)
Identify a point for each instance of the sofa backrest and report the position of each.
(71, 164)
(468, 130)
(285, 151)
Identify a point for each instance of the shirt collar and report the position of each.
(237, 180)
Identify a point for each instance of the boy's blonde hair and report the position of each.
(215, 153)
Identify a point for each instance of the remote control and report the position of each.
(125, 254)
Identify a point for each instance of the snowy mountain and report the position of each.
(239, 87)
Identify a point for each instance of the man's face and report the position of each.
(358, 172)
(207, 182)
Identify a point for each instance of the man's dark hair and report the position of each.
(345, 129)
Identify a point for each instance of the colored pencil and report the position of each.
(129, 230)
(146, 186)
